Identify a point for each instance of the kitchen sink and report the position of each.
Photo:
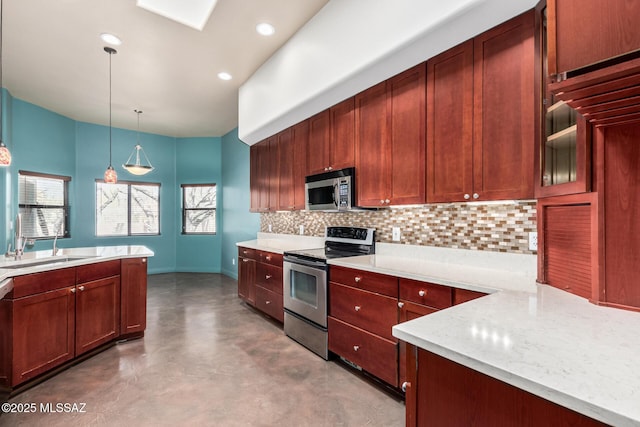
(47, 261)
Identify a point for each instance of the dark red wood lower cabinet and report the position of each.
(97, 313)
(133, 302)
(445, 393)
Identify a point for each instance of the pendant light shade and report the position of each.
(134, 164)
(110, 175)
(5, 154)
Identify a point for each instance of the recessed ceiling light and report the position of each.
(265, 29)
(224, 76)
(111, 39)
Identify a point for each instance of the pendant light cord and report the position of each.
(1, 90)
(110, 54)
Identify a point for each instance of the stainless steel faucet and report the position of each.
(19, 238)
(55, 239)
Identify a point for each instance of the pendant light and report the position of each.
(110, 175)
(5, 154)
(138, 168)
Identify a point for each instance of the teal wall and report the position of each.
(43, 141)
(238, 223)
(198, 161)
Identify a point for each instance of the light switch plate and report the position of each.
(302, 229)
(533, 241)
(395, 234)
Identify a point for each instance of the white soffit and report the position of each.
(192, 13)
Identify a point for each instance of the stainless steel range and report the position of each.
(306, 284)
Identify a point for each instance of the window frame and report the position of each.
(66, 207)
(185, 209)
(128, 184)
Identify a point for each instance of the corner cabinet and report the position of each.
(481, 115)
(390, 141)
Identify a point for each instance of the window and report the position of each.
(198, 209)
(127, 209)
(43, 201)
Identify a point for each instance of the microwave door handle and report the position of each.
(335, 191)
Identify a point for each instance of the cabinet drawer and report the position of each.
(247, 253)
(424, 293)
(99, 270)
(375, 355)
(270, 258)
(372, 312)
(270, 277)
(270, 303)
(374, 282)
(36, 283)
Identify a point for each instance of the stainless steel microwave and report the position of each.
(331, 191)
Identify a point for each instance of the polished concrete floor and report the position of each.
(208, 360)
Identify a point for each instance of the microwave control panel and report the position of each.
(344, 195)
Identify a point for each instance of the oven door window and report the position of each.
(304, 288)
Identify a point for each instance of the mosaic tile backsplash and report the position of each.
(500, 227)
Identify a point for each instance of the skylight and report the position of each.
(193, 13)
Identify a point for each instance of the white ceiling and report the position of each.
(53, 57)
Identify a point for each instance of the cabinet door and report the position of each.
(342, 143)
(450, 130)
(133, 303)
(409, 311)
(407, 93)
(583, 33)
(247, 280)
(272, 177)
(300, 136)
(504, 118)
(259, 178)
(319, 140)
(372, 148)
(97, 313)
(43, 332)
(285, 170)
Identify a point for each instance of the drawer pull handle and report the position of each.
(268, 276)
(356, 347)
(404, 386)
(357, 279)
(245, 252)
(81, 288)
(245, 260)
(268, 258)
(422, 293)
(357, 308)
(267, 302)
(73, 290)
(400, 304)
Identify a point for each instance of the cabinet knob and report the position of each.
(387, 201)
(381, 202)
(245, 252)
(268, 257)
(144, 260)
(326, 169)
(81, 288)
(330, 168)
(245, 260)
(357, 279)
(356, 347)
(267, 302)
(467, 196)
(422, 293)
(400, 304)
(404, 386)
(268, 276)
(357, 308)
(476, 196)
(72, 290)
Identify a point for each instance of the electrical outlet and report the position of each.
(395, 234)
(302, 229)
(533, 241)
(270, 228)
(233, 261)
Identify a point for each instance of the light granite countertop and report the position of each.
(280, 243)
(38, 261)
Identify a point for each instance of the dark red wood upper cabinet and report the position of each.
(342, 141)
(300, 136)
(260, 169)
(285, 149)
(582, 33)
(504, 111)
(450, 124)
(319, 140)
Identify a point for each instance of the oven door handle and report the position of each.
(308, 263)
